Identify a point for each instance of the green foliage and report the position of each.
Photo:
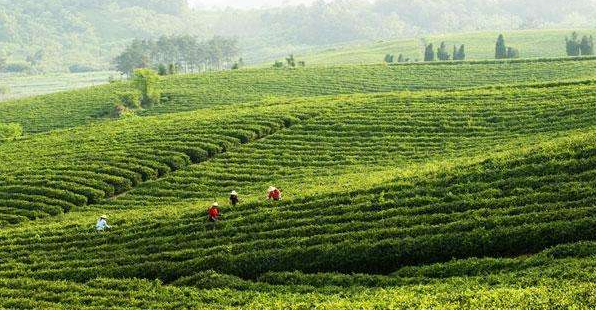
(389, 58)
(145, 81)
(78, 68)
(19, 67)
(459, 54)
(185, 52)
(162, 70)
(573, 47)
(10, 131)
(429, 53)
(501, 48)
(476, 198)
(442, 53)
(278, 64)
(290, 61)
(130, 99)
(479, 46)
(587, 46)
(505, 52)
(512, 53)
(64, 110)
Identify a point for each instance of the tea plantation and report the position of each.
(442, 186)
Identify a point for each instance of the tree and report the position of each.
(291, 61)
(162, 69)
(36, 58)
(512, 53)
(442, 53)
(501, 48)
(144, 80)
(2, 63)
(134, 57)
(400, 58)
(587, 46)
(429, 53)
(573, 46)
(455, 56)
(389, 58)
(184, 53)
(461, 54)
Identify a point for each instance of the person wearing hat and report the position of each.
(102, 223)
(213, 212)
(234, 198)
(273, 193)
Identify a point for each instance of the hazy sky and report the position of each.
(247, 3)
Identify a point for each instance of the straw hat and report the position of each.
(105, 217)
(215, 204)
(234, 193)
(271, 188)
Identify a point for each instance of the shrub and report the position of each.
(130, 99)
(162, 70)
(121, 111)
(10, 131)
(18, 67)
(78, 68)
(144, 80)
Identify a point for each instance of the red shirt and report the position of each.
(275, 194)
(213, 212)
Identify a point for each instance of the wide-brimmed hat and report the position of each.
(271, 188)
(234, 193)
(215, 204)
(105, 217)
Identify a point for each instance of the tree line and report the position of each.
(172, 54)
(574, 47)
(502, 51)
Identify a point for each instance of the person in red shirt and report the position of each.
(273, 193)
(213, 212)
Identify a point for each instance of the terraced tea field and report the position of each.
(189, 93)
(422, 186)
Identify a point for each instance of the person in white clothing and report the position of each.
(102, 223)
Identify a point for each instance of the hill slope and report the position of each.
(192, 92)
(479, 46)
(441, 197)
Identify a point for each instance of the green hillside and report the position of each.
(192, 92)
(420, 186)
(479, 46)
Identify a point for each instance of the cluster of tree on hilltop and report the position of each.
(170, 54)
(502, 51)
(442, 53)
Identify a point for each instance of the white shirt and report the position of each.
(102, 224)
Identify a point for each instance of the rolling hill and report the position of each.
(464, 185)
(479, 46)
(192, 92)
